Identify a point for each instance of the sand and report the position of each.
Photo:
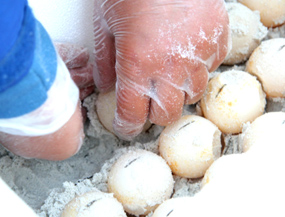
(47, 186)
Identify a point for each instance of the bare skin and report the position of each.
(59, 145)
(66, 141)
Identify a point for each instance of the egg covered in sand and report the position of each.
(94, 203)
(272, 12)
(266, 133)
(190, 145)
(175, 207)
(267, 63)
(140, 180)
(233, 98)
(246, 32)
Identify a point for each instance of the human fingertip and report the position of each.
(84, 92)
(104, 86)
(164, 120)
(83, 76)
(125, 130)
(73, 55)
(192, 100)
(80, 59)
(196, 84)
(166, 108)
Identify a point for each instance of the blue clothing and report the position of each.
(18, 59)
(28, 68)
(11, 18)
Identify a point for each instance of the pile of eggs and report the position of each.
(141, 182)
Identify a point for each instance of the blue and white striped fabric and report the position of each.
(29, 67)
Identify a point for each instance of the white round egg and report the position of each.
(246, 32)
(267, 63)
(175, 207)
(243, 185)
(94, 203)
(231, 99)
(105, 108)
(223, 170)
(140, 180)
(190, 145)
(272, 12)
(265, 134)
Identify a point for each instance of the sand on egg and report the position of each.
(231, 99)
(246, 31)
(190, 145)
(48, 186)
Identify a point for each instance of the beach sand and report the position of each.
(48, 186)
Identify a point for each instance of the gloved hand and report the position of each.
(76, 59)
(159, 54)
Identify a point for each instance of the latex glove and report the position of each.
(159, 53)
(76, 59)
(47, 128)
(67, 140)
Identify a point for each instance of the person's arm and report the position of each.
(40, 113)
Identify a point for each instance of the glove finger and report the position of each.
(166, 103)
(132, 110)
(104, 71)
(195, 85)
(83, 76)
(86, 91)
(74, 56)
